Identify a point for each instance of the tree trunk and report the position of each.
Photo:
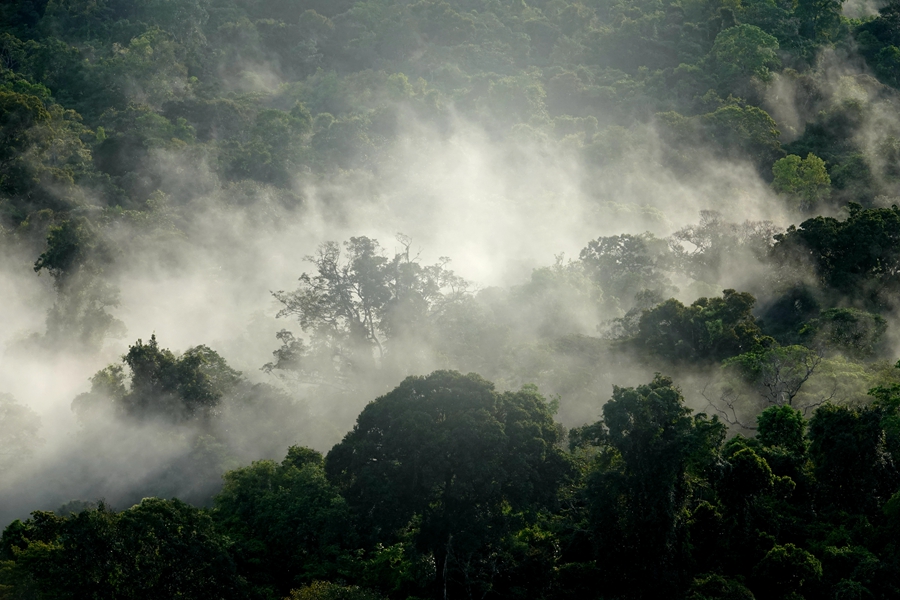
(442, 563)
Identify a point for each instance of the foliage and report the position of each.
(453, 459)
(776, 374)
(76, 258)
(164, 548)
(625, 265)
(804, 180)
(446, 486)
(162, 385)
(847, 449)
(717, 587)
(710, 329)
(640, 485)
(880, 42)
(787, 569)
(355, 310)
(287, 522)
(866, 272)
(782, 426)
(745, 50)
(322, 590)
(706, 250)
(847, 330)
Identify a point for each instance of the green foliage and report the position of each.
(782, 427)
(42, 154)
(748, 477)
(625, 265)
(184, 387)
(777, 373)
(323, 590)
(76, 258)
(847, 449)
(785, 313)
(70, 245)
(161, 384)
(856, 256)
(452, 459)
(804, 180)
(706, 250)
(716, 587)
(641, 484)
(745, 50)
(273, 152)
(18, 114)
(710, 329)
(447, 487)
(355, 309)
(749, 129)
(158, 548)
(786, 570)
(849, 331)
(558, 300)
(879, 40)
(288, 523)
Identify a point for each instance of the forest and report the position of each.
(412, 299)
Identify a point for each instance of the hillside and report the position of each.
(400, 299)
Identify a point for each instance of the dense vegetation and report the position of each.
(747, 447)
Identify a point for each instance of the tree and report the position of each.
(778, 373)
(273, 152)
(747, 478)
(858, 257)
(454, 461)
(173, 550)
(557, 301)
(43, 153)
(782, 427)
(819, 19)
(77, 258)
(886, 399)
(847, 448)
(156, 549)
(18, 114)
(356, 310)
(175, 387)
(162, 385)
(804, 181)
(745, 51)
(850, 331)
(770, 375)
(710, 329)
(289, 524)
(716, 587)
(785, 571)
(880, 42)
(638, 491)
(705, 250)
(323, 590)
(624, 265)
(746, 131)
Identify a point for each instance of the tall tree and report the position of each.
(454, 461)
(358, 306)
(650, 449)
(289, 525)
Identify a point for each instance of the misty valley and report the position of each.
(483, 299)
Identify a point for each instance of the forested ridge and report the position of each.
(637, 337)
